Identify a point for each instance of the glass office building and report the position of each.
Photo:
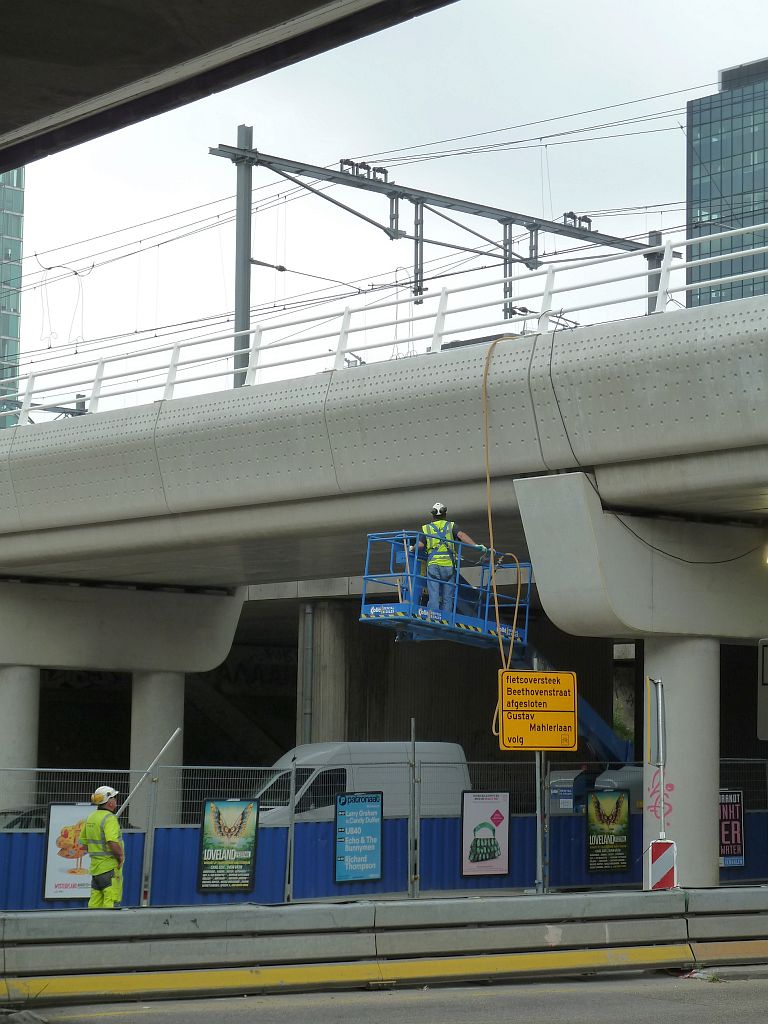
(11, 232)
(726, 186)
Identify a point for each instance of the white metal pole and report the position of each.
(149, 848)
(662, 753)
(170, 740)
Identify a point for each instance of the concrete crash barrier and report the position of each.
(81, 956)
(728, 926)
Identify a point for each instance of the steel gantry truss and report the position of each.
(375, 179)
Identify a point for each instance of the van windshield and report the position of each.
(277, 792)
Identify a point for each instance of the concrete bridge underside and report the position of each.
(74, 72)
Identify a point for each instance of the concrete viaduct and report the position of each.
(628, 460)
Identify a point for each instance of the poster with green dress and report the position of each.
(608, 836)
(228, 845)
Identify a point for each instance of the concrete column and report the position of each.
(690, 670)
(321, 690)
(157, 709)
(19, 711)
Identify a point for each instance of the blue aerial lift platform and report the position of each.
(395, 593)
(395, 597)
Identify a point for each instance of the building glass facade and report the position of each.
(11, 234)
(726, 181)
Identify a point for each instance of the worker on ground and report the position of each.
(102, 836)
(441, 538)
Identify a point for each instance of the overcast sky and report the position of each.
(476, 66)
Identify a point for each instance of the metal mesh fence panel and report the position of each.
(25, 794)
(442, 785)
(181, 791)
(393, 780)
(173, 795)
(751, 777)
(567, 783)
(518, 778)
(440, 789)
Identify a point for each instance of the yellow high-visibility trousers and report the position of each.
(105, 899)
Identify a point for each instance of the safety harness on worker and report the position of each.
(440, 546)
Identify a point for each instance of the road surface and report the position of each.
(733, 994)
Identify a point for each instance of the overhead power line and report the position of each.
(519, 146)
(532, 124)
(393, 153)
(271, 198)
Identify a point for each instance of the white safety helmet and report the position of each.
(102, 795)
(439, 509)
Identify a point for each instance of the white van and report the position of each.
(325, 770)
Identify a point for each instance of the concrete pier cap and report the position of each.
(682, 587)
(118, 629)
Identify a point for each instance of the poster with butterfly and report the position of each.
(228, 832)
(608, 835)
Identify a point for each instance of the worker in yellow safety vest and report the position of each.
(440, 540)
(102, 836)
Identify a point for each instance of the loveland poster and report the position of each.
(608, 839)
(228, 846)
(66, 859)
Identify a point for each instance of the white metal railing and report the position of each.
(113, 376)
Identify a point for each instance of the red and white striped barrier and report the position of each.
(662, 864)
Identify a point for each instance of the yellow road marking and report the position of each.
(309, 976)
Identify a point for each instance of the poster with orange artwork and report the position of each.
(66, 859)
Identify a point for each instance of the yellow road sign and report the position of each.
(537, 710)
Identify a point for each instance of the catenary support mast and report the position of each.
(375, 179)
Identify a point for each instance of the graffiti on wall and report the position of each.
(654, 796)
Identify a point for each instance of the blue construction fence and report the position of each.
(175, 859)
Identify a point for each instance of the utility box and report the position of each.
(628, 776)
(561, 791)
(568, 788)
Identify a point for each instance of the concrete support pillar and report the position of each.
(321, 690)
(157, 709)
(19, 708)
(690, 670)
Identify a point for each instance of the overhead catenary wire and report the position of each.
(225, 217)
(195, 229)
(169, 216)
(179, 234)
(214, 202)
(303, 300)
(523, 144)
(216, 220)
(315, 298)
(532, 124)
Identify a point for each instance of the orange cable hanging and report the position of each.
(506, 657)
